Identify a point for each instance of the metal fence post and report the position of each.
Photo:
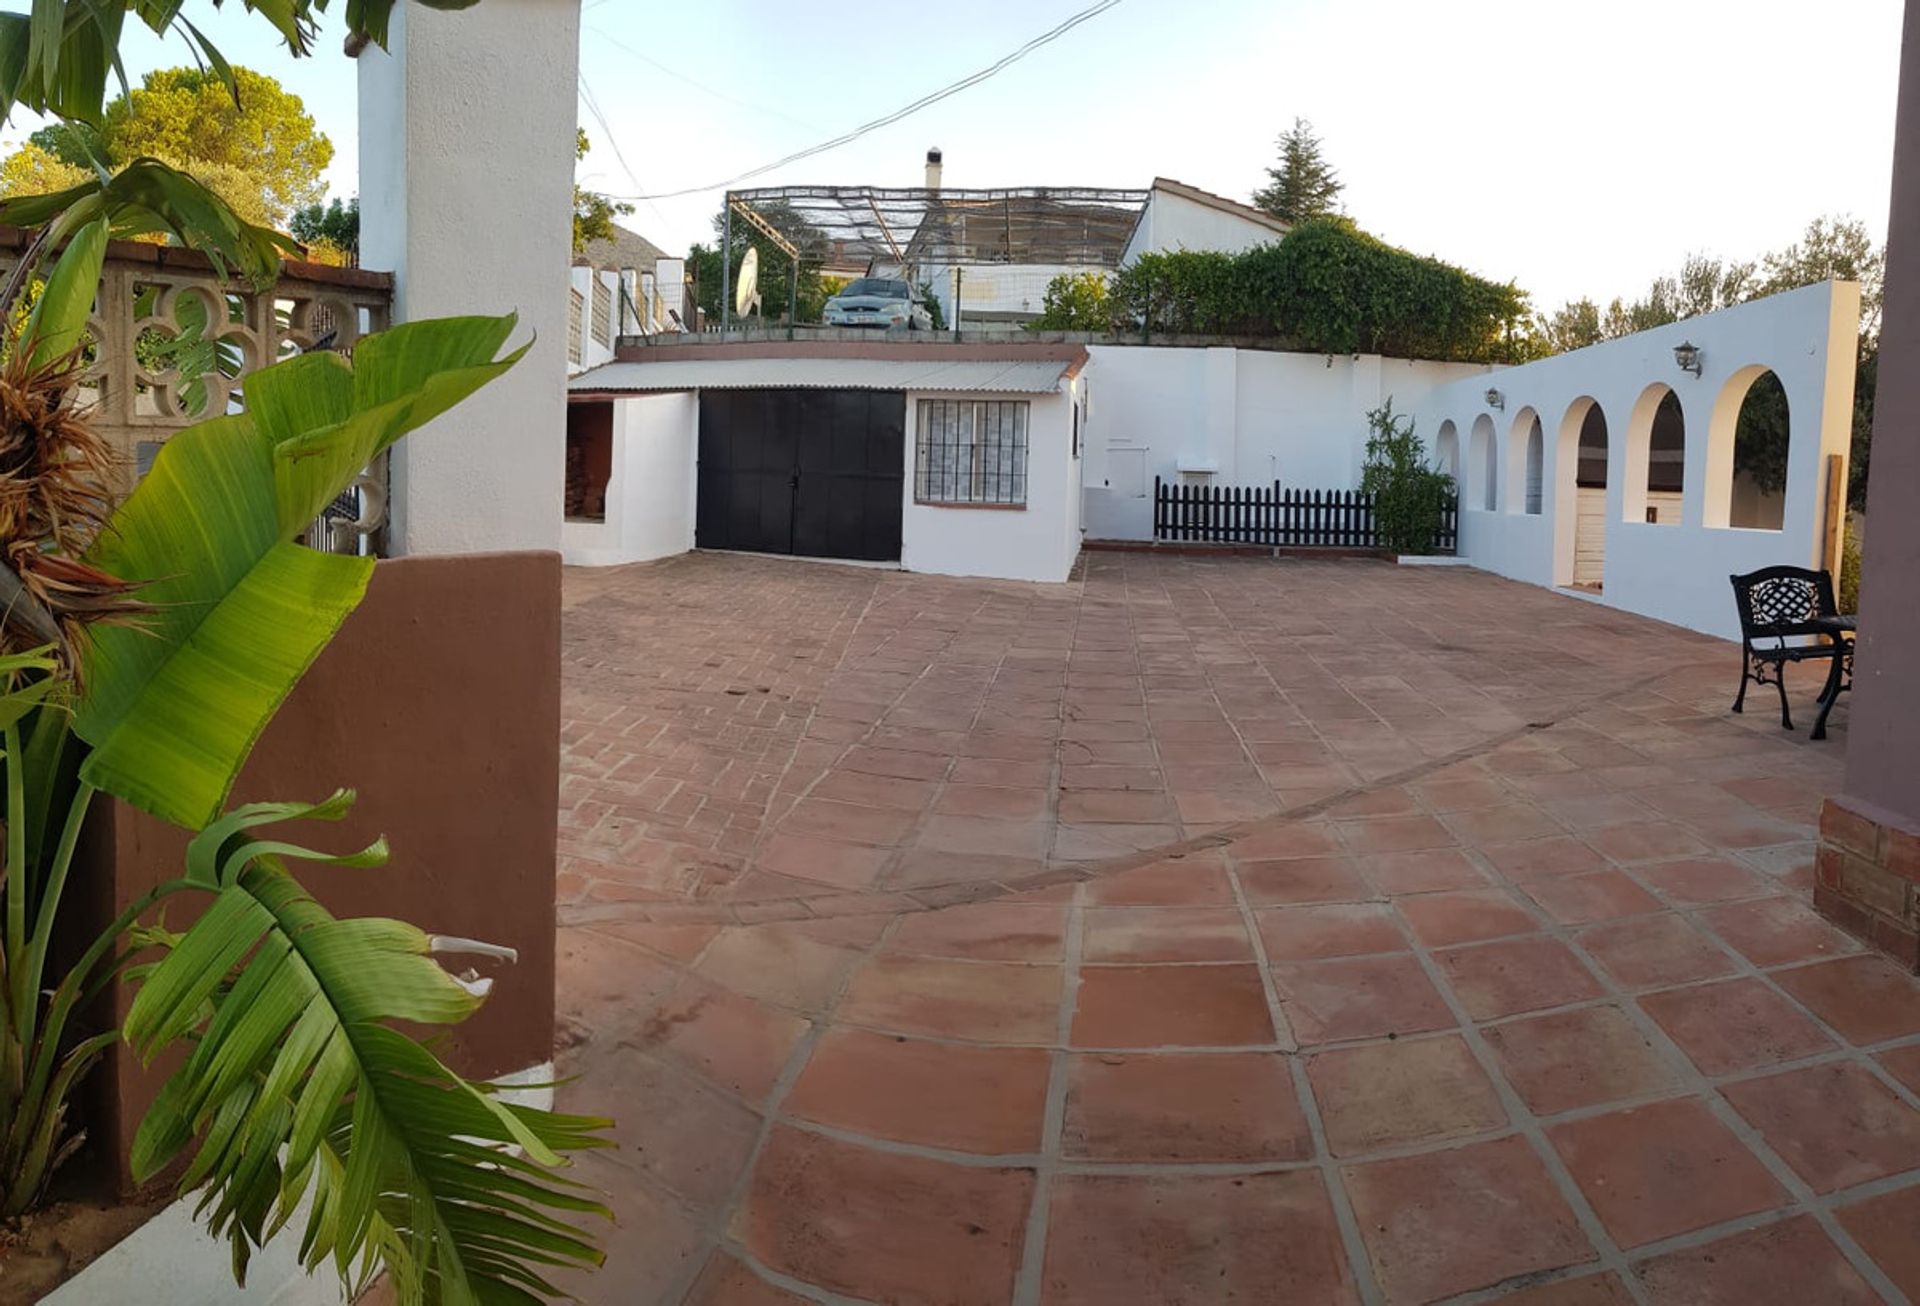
(726, 263)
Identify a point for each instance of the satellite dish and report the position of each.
(748, 281)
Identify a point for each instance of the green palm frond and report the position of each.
(299, 1090)
(239, 610)
(148, 197)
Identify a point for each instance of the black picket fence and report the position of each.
(1270, 515)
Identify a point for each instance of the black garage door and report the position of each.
(814, 472)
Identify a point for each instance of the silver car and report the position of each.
(878, 302)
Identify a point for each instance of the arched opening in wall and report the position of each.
(1446, 449)
(1483, 467)
(1536, 466)
(1580, 498)
(1757, 498)
(1666, 463)
(1522, 471)
(1653, 457)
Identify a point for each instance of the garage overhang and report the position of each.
(997, 375)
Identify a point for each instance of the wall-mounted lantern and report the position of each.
(1496, 400)
(1687, 356)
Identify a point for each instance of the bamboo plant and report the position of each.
(144, 645)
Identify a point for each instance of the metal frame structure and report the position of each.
(1072, 226)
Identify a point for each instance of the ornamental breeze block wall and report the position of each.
(1867, 879)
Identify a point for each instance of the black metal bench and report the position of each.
(1782, 604)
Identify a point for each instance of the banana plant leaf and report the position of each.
(298, 1088)
(148, 197)
(59, 316)
(173, 707)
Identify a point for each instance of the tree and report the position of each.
(336, 224)
(32, 170)
(593, 213)
(1075, 301)
(775, 266)
(1305, 184)
(255, 144)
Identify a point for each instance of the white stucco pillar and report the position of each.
(466, 186)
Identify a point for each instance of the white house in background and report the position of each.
(1175, 216)
(956, 459)
(1178, 216)
(624, 285)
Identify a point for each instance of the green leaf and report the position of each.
(173, 708)
(240, 611)
(298, 1090)
(60, 315)
(150, 197)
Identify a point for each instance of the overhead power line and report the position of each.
(934, 97)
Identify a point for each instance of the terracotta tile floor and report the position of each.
(1208, 931)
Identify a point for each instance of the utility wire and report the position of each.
(717, 94)
(972, 79)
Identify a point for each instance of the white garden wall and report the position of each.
(1234, 416)
(1673, 571)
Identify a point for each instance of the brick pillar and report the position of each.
(1869, 867)
(1868, 878)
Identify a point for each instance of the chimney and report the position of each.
(933, 168)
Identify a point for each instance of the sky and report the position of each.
(1577, 150)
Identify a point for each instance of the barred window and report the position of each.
(576, 299)
(971, 451)
(602, 310)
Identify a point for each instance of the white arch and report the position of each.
(1514, 476)
(1566, 483)
(1639, 443)
(1483, 474)
(1446, 449)
(1722, 430)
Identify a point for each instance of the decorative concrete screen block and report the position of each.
(1868, 877)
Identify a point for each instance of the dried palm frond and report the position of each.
(56, 495)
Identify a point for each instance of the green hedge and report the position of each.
(1328, 287)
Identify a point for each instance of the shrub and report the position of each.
(1075, 301)
(1849, 581)
(1328, 287)
(1409, 497)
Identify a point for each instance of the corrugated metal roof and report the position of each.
(998, 375)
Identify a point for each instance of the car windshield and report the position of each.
(878, 286)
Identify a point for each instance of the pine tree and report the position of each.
(1305, 184)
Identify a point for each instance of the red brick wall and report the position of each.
(1868, 877)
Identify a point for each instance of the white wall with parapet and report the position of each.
(1675, 572)
(1238, 416)
(466, 187)
(1038, 541)
(650, 489)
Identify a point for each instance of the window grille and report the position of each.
(971, 451)
(576, 299)
(602, 311)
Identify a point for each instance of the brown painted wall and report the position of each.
(1883, 744)
(440, 703)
